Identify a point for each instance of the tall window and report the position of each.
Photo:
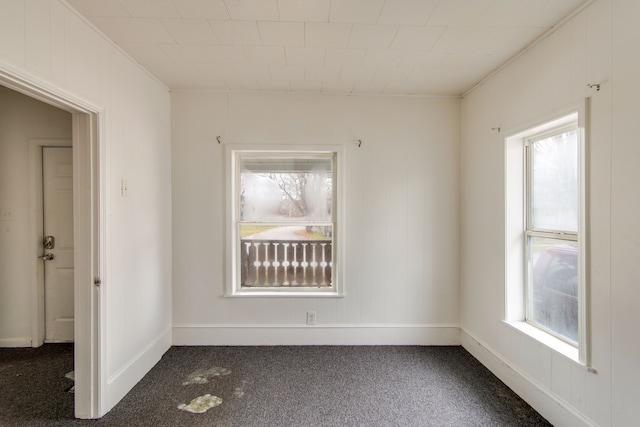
(545, 242)
(284, 222)
(552, 219)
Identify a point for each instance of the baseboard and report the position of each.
(120, 383)
(253, 335)
(15, 342)
(554, 409)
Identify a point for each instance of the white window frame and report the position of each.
(516, 190)
(232, 262)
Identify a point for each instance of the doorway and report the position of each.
(86, 233)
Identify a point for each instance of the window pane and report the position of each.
(286, 189)
(295, 256)
(554, 183)
(553, 301)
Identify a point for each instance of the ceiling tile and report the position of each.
(459, 12)
(533, 13)
(105, 8)
(461, 39)
(282, 33)
(312, 56)
(190, 30)
(392, 73)
(344, 57)
(322, 73)
(225, 54)
(422, 59)
(507, 41)
(394, 87)
(357, 73)
(306, 85)
(222, 71)
(185, 53)
(172, 73)
(236, 32)
(383, 57)
(248, 72)
(417, 38)
(135, 30)
(150, 8)
(356, 11)
(304, 10)
(201, 9)
(289, 72)
(407, 12)
(372, 36)
(274, 85)
(253, 10)
(269, 55)
(327, 35)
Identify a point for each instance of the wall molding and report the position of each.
(120, 383)
(553, 408)
(15, 342)
(371, 334)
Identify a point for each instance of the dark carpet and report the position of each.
(275, 386)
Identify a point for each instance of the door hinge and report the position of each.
(97, 281)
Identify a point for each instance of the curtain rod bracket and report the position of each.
(594, 85)
(218, 139)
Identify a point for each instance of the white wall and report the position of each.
(47, 43)
(551, 75)
(401, 218)
(21, 119)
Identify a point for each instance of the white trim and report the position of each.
(121, 382)
(88, 176)
(36, 215)
(374, 334)
(231, 267)
(515, 209)
(15, 342)
(556, 410)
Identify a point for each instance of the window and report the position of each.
(551, 243)
(545, 245)
(283, 228)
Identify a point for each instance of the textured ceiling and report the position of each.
(395, 47)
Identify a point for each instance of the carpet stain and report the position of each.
(239, 391)
(201, 404)
(202, 376)
(71, 376)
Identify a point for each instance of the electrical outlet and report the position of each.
(311, 317)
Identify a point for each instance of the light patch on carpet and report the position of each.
(201, 404)
(239, 391)
(202, 376)
(71, 376)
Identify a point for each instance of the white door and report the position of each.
(57, 177)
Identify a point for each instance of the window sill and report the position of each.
(284, 293)
(550, 341)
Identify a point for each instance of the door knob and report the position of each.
(46, 257)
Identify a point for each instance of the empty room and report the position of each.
(319, 212)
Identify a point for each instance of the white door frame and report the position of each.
(88, 209)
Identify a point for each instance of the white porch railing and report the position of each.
(275, 263)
